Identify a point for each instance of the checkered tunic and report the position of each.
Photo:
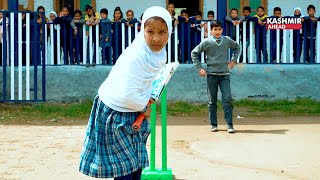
(111, 147)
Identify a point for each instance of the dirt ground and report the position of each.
(263, 148)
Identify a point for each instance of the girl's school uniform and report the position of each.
(105, 32)
(112, 148)
(132, 24)
(54, 36)
(89, 20)
(65, 36)
(117, 38)
(78, 40)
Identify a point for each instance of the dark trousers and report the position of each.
(117, 47)
(297, 47)
(223, 82)
(105, 53)
(310, 52)
(77, 51)
(1, 55)
(66, 52)
(184, 52)
(274, 49)
(134, 176)
(247, 55)
(260, 50)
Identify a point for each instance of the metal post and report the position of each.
(13, 5)
(153, 137)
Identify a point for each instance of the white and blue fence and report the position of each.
(28, 46)
(22, 60)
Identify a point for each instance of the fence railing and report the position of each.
(22, 54)
(103, 43)
(276, 46)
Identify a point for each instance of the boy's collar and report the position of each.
(216, 39)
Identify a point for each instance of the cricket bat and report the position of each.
(158, 86)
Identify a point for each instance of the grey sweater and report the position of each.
(217, 54)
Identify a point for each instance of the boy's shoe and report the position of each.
(214, 129)
(231, 129)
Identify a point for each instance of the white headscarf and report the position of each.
(129, 84)
(297, 8)
(55, 14)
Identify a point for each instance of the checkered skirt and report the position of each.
(111, 147)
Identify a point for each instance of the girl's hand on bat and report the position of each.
(151, 101)
(147, 112)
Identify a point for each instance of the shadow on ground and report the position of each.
(275, 131)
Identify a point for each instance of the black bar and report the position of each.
(43, 48)
(4, 57)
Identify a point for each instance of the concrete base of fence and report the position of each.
(252, 81)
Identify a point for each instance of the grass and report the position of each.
(54, 112)
(302, 106)
(44, 111)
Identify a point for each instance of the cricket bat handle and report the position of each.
(137, 123)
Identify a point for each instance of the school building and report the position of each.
(138, 6)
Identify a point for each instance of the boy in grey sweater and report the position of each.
(216, 49)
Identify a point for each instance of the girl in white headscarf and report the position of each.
(112, 149)
(52, 17)
(297, 37)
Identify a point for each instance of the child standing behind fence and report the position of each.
(105, 36)
(183, 35)
(77, 26)
(260, 34)
(297, 37)
(216, 49)
(64, 19)
(273, 37)
(196, 26)
(233, 21)
(92, 18)
(117, 32)
(52, 16)
(309, 34)
(210, 16)
(130, 23)
(246, 17)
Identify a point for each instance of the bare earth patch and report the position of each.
(263, 148)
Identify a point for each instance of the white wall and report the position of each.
(287, 7)
(138, 6)
(47, 4)
(209, 5)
